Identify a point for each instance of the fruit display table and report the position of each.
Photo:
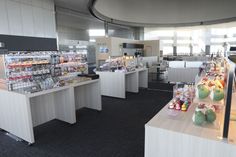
(20, 113)
(115, 84)
(199, 125)
(174, 136)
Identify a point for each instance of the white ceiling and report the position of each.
(74, 15)
(167, 11)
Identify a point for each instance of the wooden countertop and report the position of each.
(182, 123)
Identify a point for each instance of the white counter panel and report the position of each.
(15, 115)
(115, 84)
(167, 136)
(19, 113)
(112, 84)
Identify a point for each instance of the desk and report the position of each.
(19, 113)
(143, 77)
(115, 84)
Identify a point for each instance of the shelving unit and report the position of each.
(167, 132)
(28, 72)
(43, 86)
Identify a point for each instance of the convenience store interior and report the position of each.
(127, 78)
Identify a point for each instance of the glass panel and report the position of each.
(183, 41)
(168, 41)
(183, 33)
(167, 50)
(183, 50)
(96, 32)
(217, 40)
(218, 31)
(217, 48)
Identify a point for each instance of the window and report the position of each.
(222, 40)
(183, 50)
(163, 33)
(232, 39)
(217, 40)
(231, 31)
(167, 50)
(168, 41)
(218, 31)
(217, 48)
(183, 41)
(158, 34)
(197, 50)
(96, 32)
(92, 40)
(183, 33)
(197, 36)
(224, 31)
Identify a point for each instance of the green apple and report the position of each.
(199, 118)
(210, 116)
(203, 91)
(217, 94)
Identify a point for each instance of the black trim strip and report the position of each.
(24, 43)
(231, 76)
(91, 4)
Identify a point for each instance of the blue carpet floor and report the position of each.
(116, 131)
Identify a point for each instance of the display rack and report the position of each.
(29, 72)
(226, 103)
(214, 78)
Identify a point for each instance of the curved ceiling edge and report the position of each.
(104, 18)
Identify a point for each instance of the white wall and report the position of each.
(28, 18)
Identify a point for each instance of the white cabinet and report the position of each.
(14, 18)
(27, 20)
(3, 16)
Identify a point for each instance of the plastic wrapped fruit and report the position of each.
(222, 82)
(202, 91)
(217, 94)
(198, 118)
(210, 116)
(201, 107)
(219, 84)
